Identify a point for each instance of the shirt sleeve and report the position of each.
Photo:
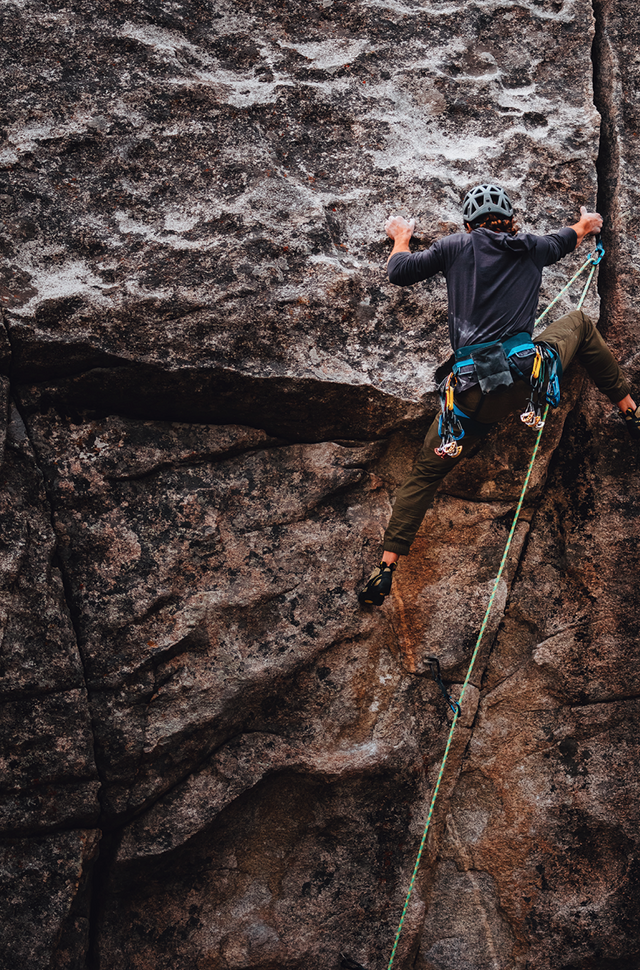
(404, 269)
(553, 247)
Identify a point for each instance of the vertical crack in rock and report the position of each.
(97, 877)
(56, 560)
(93, 876)
(607, 166)
(99, 896)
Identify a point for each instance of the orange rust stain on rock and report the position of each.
(415, 573)
(403, 630)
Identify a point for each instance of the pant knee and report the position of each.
(588, 324)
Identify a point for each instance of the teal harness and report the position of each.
(518, 344)
(493, 365)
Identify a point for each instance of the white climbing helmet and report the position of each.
(484, 199)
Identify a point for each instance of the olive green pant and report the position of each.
(572, 336)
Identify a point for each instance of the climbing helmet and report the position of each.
(485, 199)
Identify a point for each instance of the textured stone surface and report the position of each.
(45, 883)
(211, 756)
(203, 189)
(46, 763)
(218, 565)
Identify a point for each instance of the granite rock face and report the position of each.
(211, 756)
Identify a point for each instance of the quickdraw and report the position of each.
(545, 387)
(449, 427)
(592, 260)
(434, 664)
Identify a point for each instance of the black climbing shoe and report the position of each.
(633, 421)
(379, 585)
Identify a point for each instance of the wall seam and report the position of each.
(56, 563)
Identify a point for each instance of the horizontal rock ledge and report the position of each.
(297, 409)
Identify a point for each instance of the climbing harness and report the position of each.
(495, 364)
(456, 706)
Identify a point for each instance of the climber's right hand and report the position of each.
(589, 225)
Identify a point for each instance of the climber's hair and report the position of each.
(494, 222)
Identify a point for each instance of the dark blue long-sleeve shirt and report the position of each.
(493, 279)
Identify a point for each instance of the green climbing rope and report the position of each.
(593, 262)
(588, 262)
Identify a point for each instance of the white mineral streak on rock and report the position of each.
(75, 278)
(181, 221)
(330, 53)
(162, 41)
(173, 223)
(564, 12)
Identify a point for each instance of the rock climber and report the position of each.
(493, 276)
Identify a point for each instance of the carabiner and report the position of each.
(599, 251)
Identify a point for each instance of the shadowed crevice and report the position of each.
(607, 167)
(101, 871)
(298, 409)
(85, 895)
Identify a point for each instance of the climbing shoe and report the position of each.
(633, 421)
(379, 585)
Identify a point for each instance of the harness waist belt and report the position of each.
(512, 345)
